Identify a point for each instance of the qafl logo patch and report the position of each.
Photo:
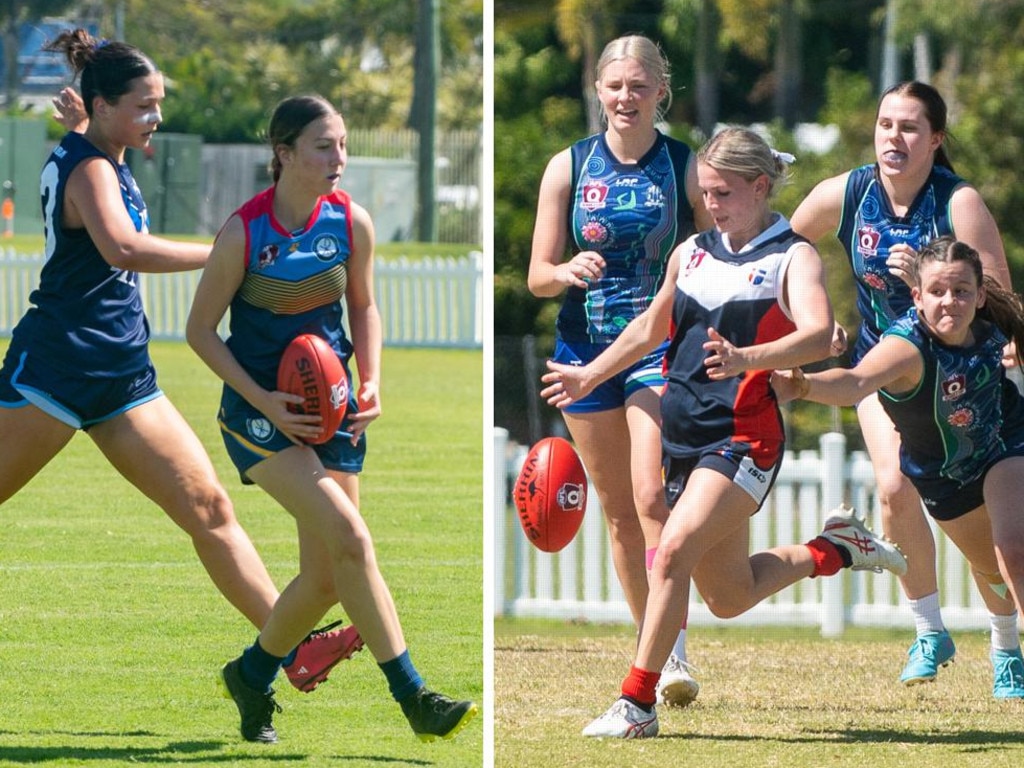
(867, 241)
(954, 387)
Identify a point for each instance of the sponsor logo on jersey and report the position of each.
(757, 276)
(595, 194)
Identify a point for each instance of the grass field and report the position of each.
(112, 636)
(769, 697)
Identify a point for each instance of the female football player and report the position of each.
(283, 262)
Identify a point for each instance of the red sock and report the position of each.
(827, 560)
(640, 685)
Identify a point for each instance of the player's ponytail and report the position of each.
(106, 68)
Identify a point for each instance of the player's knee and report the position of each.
(1012, 553)
(724, 606)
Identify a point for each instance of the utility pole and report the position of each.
(890, 55)
(428, 56)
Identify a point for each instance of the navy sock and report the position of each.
(403, 679)
(258, 668)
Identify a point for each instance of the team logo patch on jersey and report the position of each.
(954, 387)
(655, 198)
(757, 276)
(695, 259)
(595, 194)
(326, 247)
(260, 430)
(867, 241)
(267, 256)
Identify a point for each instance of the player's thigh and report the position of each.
(602, 440)
(155, 449)
(643, 419)
(883, 444)
(1002, 500)
(30, 438)
(972, 535)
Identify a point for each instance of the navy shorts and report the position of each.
(613, 393)
(250, 437)
(76, 400)
(947, 499)
(752, 468)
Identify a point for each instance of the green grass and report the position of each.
(770, 697)
(111, 635)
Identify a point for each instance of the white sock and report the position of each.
(679, 649)
(1005, 636)
(927, 614)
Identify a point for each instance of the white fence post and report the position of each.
(833, 454)
(498, 513)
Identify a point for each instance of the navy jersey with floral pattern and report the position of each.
(634, 215)
(955, 423)
(868, 228)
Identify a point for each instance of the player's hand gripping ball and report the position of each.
(551, 494)
(311, 369)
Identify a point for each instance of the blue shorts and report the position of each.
(613, 393)
(251, 437)
(78, 401)
(752, 468)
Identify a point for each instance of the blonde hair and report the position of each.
(648, 55)
(744, 152)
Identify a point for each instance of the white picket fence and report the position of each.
(579, 583)
(435, 301)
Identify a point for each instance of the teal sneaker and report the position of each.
(1008, 678)
(929, 652)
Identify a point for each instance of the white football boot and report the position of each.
(677, 687)
(624, 720)
(868, 551)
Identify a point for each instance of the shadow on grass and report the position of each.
(180, 752)
(966, 739)
(173, 752)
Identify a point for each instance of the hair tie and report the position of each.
(785, 157)
(103, 43)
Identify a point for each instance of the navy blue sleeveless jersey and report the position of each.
(87, 316)
(634, 215)
(955, 423)
(294, 283)
(740, 295)
(868, 228)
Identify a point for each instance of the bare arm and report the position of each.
(820, 211)
(92, 199)
(894, 364)
(549, 275)
(974, 224)
(217, 286)
(364, 321)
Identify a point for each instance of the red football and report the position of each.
(310, 368)
(551, 494)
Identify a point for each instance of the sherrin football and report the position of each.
(311, 369)
(551, 494)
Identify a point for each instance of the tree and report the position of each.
(14, 13)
